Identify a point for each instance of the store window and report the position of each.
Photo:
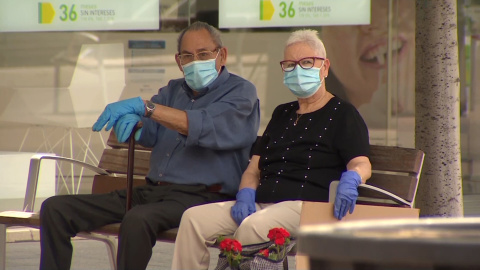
(54, 83)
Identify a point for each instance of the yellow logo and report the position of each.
(266, 10)
(45, 13)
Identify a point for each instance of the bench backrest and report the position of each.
(394, 169)
(115, 160)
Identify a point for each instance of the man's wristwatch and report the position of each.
(150, 107)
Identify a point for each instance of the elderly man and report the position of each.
(201, 128)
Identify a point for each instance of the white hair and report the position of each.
(310, 37)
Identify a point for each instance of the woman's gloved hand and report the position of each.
(244, 206)
(124, 126)
(347, 194)
(115, 110)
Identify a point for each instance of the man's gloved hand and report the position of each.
(347, 194)
(124, 126)
(244, 206)
(115, 110)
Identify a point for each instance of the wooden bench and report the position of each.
(394, 182)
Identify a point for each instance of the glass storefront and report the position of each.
(54, 84)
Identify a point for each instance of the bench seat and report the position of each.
(32, 220)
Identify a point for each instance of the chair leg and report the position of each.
(3, 246)
(111, 246)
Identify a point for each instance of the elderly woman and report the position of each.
(307, 144)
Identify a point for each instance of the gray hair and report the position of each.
(214, 33)
(310, 37)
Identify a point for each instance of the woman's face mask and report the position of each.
(199, 74)
(303, 82)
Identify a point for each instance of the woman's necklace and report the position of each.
(300, 115)
(298, 118)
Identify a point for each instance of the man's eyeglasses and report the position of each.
(186, 58)
(305, 63)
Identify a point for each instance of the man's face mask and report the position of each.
(199, 74)
(303, 83)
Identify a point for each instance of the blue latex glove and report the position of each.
(347, 194)
(245, 205)
(115, 110)
(124, 126)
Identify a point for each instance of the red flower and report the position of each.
(225, 244)
(264, 252)
(236, 246)
(278, 233)
(280, 238)
(280, 241)
(231, 248)
(228, 244)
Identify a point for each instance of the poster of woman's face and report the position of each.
(359, 56)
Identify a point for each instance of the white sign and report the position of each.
(78, 15)
(286, 13)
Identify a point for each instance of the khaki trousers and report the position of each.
(201, 225)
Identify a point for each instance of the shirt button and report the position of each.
(167, 154)
(160, 175)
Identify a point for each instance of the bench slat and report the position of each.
(113, 143)
(403, 186)
(396, 159)
(116, 160)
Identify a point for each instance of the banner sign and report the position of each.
(78, 15)
(287, 13)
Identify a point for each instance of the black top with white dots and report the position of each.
(301, 154)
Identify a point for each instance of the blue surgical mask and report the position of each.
(199, 74)
(303, 82)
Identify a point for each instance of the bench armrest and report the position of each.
(393, 197)
(34, 172)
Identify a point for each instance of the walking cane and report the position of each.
(130, 162)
